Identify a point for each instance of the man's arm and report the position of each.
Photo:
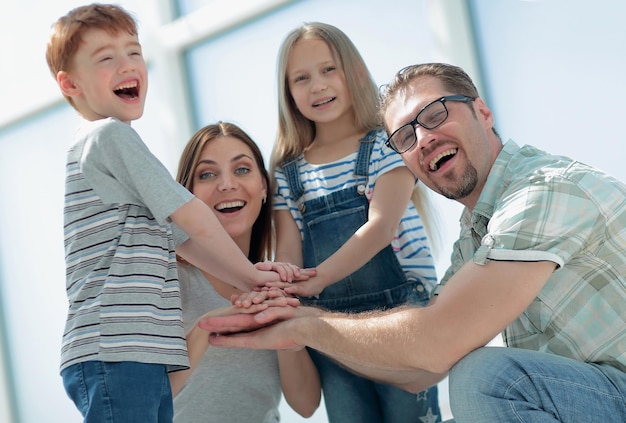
(412, 347)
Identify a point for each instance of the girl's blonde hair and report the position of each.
(296, 132)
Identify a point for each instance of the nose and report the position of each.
(126, 64)
(227, 183)
(318, 85)
(423, 136)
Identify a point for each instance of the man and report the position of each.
(541, 258)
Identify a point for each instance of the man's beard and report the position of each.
(465, 187)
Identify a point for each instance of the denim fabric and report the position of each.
(350, 398)
(495, 384)
(328, 222)
(124, 392)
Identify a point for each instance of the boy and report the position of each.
(124, 330)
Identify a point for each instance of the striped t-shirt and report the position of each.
(410, 243)
(121, 276)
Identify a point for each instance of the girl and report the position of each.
(342, 206)
(222, 166)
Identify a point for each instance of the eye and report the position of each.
(328, 69)
(206, 175)
(299, 78)
(242, 170)
(105, 59)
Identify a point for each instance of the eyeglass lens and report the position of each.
(430, 117)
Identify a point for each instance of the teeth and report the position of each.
(126, 85)
(433, 163)
(230, 205)
(324, 102)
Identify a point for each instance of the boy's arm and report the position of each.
(211, 249)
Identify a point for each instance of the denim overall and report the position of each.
(328, 222)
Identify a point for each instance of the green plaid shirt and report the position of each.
(535, 207)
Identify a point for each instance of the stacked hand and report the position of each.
(257, 317)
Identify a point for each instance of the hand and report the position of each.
(259, 295)
(306, 288)
(288, 272)
(246, 321)
(265, 330)
(273, 337)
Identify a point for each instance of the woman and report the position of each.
(223, 167)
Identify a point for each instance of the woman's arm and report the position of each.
(300, 381)
(198, 342)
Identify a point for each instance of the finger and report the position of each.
(260, 297)
(281, 285)
(274, 314)
(282, 302)
(263, 265)
(297, 290)
(232, 341)
(286, 275)
(232, 323)
(307, 273)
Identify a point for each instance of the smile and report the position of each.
(230, 206)
(441, 158)
(128, 90)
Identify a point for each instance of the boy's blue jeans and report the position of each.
(124, 392)
(495, 384)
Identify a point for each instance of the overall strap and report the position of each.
(361, 167)
(294, 183)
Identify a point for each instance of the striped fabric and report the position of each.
(537, 206)
(121, 276)
(410, 244)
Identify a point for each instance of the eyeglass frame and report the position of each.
(415, 121)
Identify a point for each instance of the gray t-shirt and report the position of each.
(228, 385)
(121, 275)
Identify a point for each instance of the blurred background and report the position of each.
(551, 70)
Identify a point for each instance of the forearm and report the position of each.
(360, 248)
(377, 345)
(229, 265)
(414, 380)
(211, 249)
(197, 344)
(300, 381)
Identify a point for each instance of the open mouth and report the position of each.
(324, 102)
(441, 158)
(127, 90)
(230, 207)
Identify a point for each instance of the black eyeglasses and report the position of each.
(431, 116)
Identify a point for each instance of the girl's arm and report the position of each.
(389, 201)
(288, 239)
(300, 381)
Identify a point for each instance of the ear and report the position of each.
(67, 85)
(484, 112)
